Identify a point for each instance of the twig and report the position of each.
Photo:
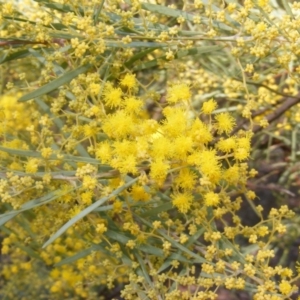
(286, 105)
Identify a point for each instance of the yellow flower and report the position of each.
(186, 179)
(162, 147)
(226, 145)
(225, 123)
(200, 132)
(119, 125)
(285, 287)
(232, 174)
(209, 165)
(133, 105)
(46, 152)
(251, 195)
(159, 170)
(14, 116)
(211, 199)
(178, 92)
(101, 228)
(209, 106)
(90, 130)
(32, 165)
(182, 145)
(112, 96)
(125, 164)
(129, 81)
(175, 123)
(89, 182)
(138, 193)
(103, 152)
(94, 88)
(182, 201)
(86, 197)
(241, 154)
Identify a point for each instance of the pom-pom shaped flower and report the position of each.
(112, 96)
(209, 106)
(129, 81)
(211, 199)
(285, 287)
(159, 170)
(225, 123)
(138, 193)
(178, 92)
(119, 125)
(182, 201)
(226, 145)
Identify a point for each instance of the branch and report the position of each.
(287, 104)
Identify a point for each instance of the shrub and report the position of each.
(127, 158)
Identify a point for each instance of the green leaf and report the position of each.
(41, 174)
(58, 26)
(65, 35)
(97, 12)
(13, 56)
(104, 208)
(25, 224)
(53, 85)
(27, 153)
(287, 8)
(81, 254)
(155, 211)
(88, 210)
(66, 157)
(178, 256)
(59, 7)
(143, 268)
(138, 56)
(117, 236)
(136, 45)
(28, 250)
(167, 11)
(32, 204)
(174, 243)
(19, 19)
(174, 256)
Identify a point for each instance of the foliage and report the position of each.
(127, 157)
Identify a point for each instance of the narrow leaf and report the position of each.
(32, 204)
(155, 211)
(167, 11)
(117, 236)
(136, 45)
(173, 242)
(28, 250)
(138, 56)
(66, 157)
(56, 83)
(97, 12)
(13, 56)
(287, 8)
(88, 210)
(79, 255)
(143, 268)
